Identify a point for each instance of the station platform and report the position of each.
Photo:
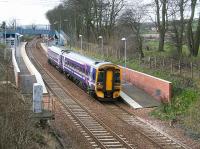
(20, 61)
(137, 98)
(24, 78)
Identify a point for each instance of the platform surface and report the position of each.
(32, 68)
(139, 98)
(22, 66)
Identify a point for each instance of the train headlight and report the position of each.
(99, 86)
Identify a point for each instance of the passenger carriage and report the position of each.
(100, 78)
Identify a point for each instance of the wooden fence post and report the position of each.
(163, 62)
(191, 66)
(139, 60)
(149, 62)
(199, 72)
(171, 66)
(179, 67)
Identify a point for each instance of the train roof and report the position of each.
(85, 60)
(78, 57)
(82, 59)
(56, 49)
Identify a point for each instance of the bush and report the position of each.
(179, 105)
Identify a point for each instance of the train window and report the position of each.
(101, 76)
(117, 77)
(94, 75)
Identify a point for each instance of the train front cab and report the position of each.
(108, 84)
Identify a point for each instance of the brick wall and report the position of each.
(160, 89)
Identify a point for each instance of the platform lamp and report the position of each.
(124, 39)
(81, 36)
(101, 37)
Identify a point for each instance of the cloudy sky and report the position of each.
(26, 11)
(29, 11)
(33, 11)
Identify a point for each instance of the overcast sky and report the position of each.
(26, 11)
(33, 11)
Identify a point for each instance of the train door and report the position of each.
(62, 62)
(109, 80)
(85, 73)
(91, 77)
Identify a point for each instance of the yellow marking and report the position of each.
(109, 83)
(100, 94)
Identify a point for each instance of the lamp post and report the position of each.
(81, 43)
(124, 39)
(101, 37)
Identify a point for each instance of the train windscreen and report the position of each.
(101, 77)
(117, 77)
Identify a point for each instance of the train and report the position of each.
(100, 79)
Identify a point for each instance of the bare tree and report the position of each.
(161, 13)
(176, 12)
(192, 38)
(91, 17)
(133, 18)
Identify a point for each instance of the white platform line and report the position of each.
(130, 101)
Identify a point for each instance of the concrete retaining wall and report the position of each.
(158, 88)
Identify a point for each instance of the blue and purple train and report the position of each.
(102, 79)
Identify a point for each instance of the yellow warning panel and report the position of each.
(109, 77)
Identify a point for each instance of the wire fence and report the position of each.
(183, 68)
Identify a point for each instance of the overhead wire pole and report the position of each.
(15, 24)
(5, 42)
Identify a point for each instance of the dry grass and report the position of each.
(17, 126)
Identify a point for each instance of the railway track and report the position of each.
(162, 139)
(93, 129)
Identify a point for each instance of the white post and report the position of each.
(37, 97)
